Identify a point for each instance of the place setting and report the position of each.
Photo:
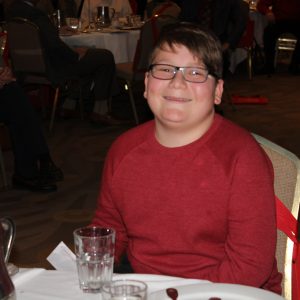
(88, 274)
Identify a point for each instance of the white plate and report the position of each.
(219, 290)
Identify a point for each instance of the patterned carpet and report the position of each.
(43, 220)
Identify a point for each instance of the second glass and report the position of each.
(94, 250)
(125, 289)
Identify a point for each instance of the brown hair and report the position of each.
(199, 41)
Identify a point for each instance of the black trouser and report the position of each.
(271, 34)
(97, 65)
(28, 141)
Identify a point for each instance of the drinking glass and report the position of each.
(99, 23)
(72, 23)
(94, 250)
(125, 289)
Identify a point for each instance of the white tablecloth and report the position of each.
(121, 43)
(40, 284)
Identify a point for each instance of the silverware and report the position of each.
(172, 293)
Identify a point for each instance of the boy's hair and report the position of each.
(199, 41)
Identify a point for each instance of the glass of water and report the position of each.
(125, 289)
(94, 250)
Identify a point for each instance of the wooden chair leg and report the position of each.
(136, 118)
(54, 109)
(250, 63)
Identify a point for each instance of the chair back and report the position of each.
(148, 37)
(247, 39)
(4, 48)
(169, 8)
(287, 188)
(26, 52)
(285, 43)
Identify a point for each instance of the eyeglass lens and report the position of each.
(168, 72)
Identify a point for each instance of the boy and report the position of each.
(190, 194)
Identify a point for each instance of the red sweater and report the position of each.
(205, 210)
(282, 9)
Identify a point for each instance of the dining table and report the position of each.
(41, 284)
(121, 42)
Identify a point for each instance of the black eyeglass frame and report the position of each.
(182, 69)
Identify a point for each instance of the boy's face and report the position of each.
(177, 103)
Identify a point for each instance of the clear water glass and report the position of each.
(94, 250)
(125, 289)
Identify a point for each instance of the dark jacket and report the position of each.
(60, 55)
(229, 18)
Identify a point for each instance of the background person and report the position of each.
(226, 18)
(95, 66)
(34, 168)
(189, 193)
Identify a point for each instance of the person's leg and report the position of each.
(271, 34)
(294, 28)
(98, 66)
(28, 142)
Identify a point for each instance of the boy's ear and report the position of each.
(219, 91)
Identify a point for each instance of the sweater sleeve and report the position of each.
(106, 213)
(251, 238)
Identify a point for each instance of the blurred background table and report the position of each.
(121, 43)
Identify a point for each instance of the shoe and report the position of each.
(294, 69)
(36, 184)
(107, 119)
(50, 172)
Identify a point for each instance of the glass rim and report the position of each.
(99, 232)
(143, 287)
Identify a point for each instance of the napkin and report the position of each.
(24, 275)
(62, 258)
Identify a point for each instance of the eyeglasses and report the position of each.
(168, 72)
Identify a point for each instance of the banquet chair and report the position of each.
(133, 72)
(246, 42)
(169, 8)
(287, 188)
(30, 64)
(285, 42)
(3, 47)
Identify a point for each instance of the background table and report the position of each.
(121, 43)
